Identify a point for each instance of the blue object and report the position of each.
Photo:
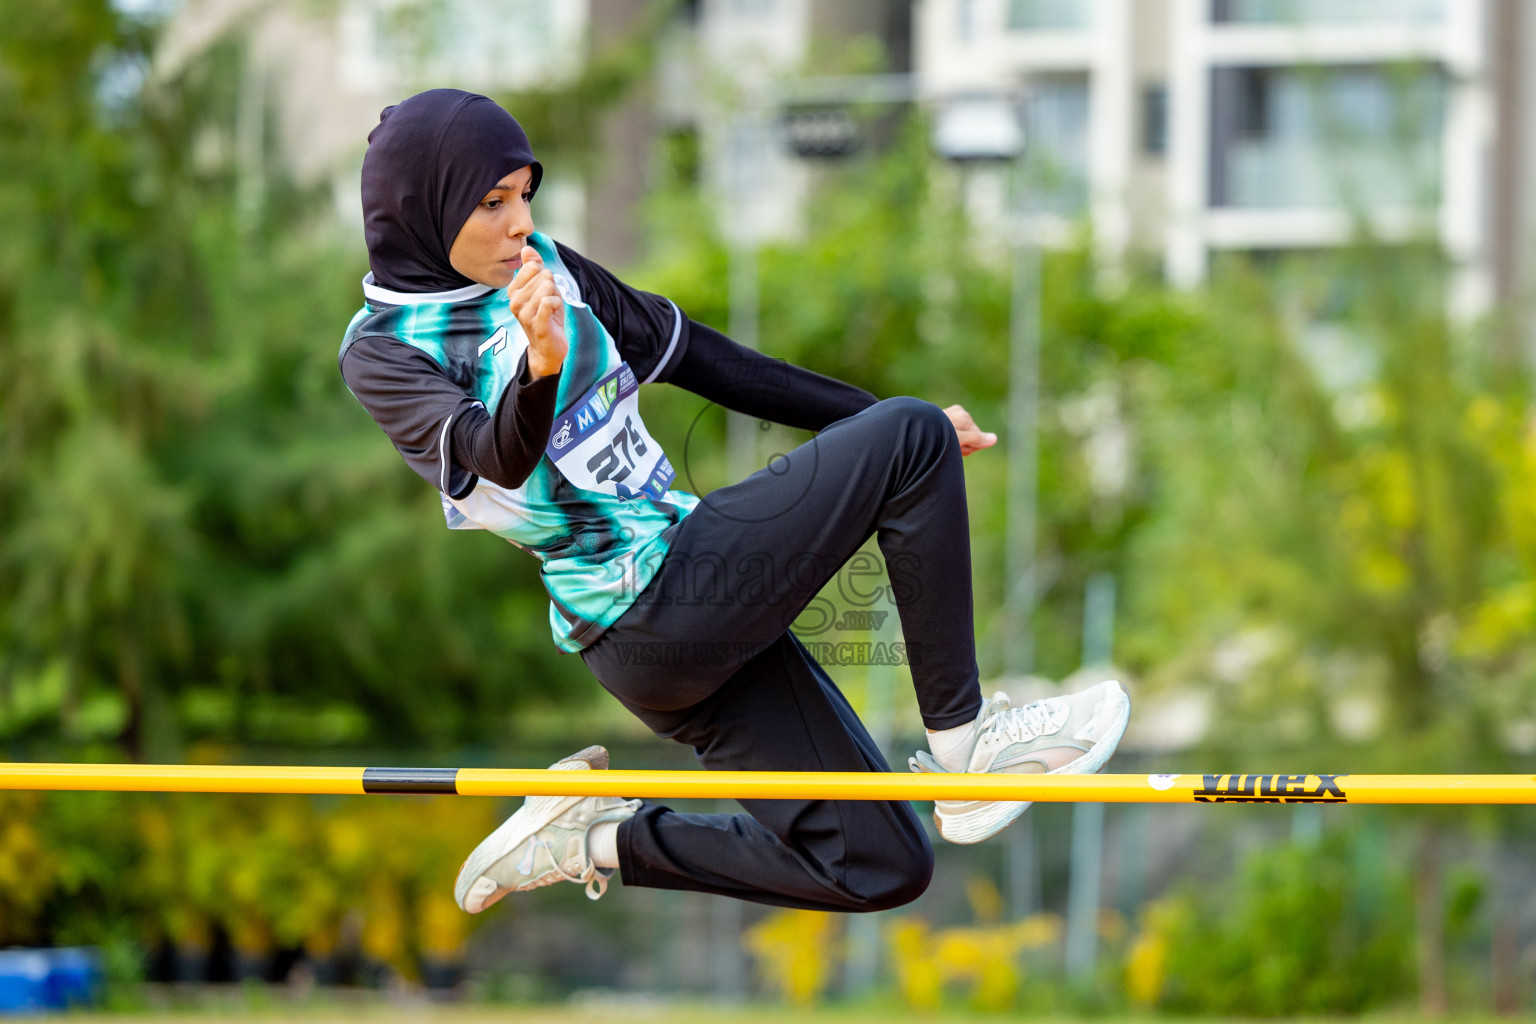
(75, 978)
(38, 980)
(23, 980)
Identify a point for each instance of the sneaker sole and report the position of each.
(468, 893)
(984, 825)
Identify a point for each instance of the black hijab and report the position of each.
(430, 161)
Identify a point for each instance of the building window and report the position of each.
(1342, 137)
(1154, 119)
(1056, 146)
(1033, 15)
(1328, 12)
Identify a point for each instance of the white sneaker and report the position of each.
(544, 842)
(1072, 735)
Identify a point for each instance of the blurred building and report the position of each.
(1185, 129)
(315, 77)
(1193, 128)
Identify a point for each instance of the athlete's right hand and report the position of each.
(538, 307)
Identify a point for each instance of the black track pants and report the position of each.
(704, 657)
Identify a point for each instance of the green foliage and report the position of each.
(1298, 930)
(206, 537)
(1337, 467)
(127, 871)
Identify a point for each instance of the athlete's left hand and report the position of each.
(972, 437)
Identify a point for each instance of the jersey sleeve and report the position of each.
(747, 381)
(649, 330)
(444, 434)
(506, 447)
(413, 401)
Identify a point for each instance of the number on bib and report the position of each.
(601, 444)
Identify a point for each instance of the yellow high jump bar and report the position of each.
(1120, 789)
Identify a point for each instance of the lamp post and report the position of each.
(1023, 502)
(987, 129)
(746, 142)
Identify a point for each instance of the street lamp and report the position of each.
(975, 128)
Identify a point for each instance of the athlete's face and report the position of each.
(487, 249)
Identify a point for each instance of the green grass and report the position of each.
(619, 1008)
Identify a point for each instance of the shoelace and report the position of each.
(598, 881)
(1020, 725)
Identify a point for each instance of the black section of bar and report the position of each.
(410, 780)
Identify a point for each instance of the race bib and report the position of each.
(601, 444)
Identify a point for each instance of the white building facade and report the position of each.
(1197, 127)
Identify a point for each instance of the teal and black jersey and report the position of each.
(595, 507)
